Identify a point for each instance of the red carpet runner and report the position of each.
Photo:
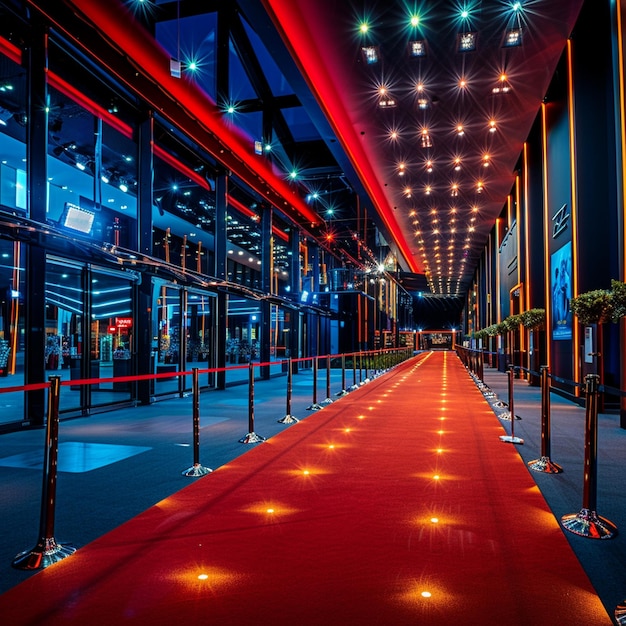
(396, 505)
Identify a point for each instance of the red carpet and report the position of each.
(352, 516)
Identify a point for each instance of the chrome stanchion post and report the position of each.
(343, 391)
(251, 437)
(314, 406)
(289, 418)
(354, 385)
(361, 368)
(544, 464)
(587, 522)
(327, 399)
(196, 469)
(47, 551)
(511, 438)
(510, 414)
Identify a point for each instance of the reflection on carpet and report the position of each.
(396, 505)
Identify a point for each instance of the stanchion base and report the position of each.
(620, 614)
(355, 386)
(252, 438)
(587, 523)
(510, 439)
(545, 465)
(315, 407)
(507, 416)
(327, 401)
(45, 553)
(341, 393)
(197, 470)
(288, 419)
(501, 405)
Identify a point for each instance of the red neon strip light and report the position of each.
(289, 19)
(10, 50)
(71, 92)
(118, 24)
(183, 169)
(242, 208)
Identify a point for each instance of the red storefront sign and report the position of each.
(124, 322)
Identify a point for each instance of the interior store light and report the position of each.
(5, 116)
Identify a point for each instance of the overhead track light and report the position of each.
(466, 42)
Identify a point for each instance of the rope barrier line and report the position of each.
(47, 550)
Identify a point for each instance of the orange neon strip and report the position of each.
(520, 285)
(574, 192)
(497, 294)
(622, 108)
(546, 233)
(526, 230)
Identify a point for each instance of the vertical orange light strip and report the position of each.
(488, 275)
(518, 220)
(497, 294)
(199, 258)
(14, 323)
(527, 302)
(574, 193)
(622, 105)
(546, 233)
(622, 108)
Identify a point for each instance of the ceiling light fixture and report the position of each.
(417, 48)
(503, 86)
(370, 54)
(512, 38)
(466, 42)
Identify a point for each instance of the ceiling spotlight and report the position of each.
(502, 86)
(492, 126)
(417, 48)
(422, 103)
(460, 131)
(425, 140)
(385, 100)
(512, 38)
(429, 166)
(370, 54)
(466, 42)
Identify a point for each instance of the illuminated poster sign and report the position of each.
(561, 284)
(124, 322)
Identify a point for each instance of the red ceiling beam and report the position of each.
(117, 24)
(243, 209)
(297, 32)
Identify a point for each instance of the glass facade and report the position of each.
(123, 209)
